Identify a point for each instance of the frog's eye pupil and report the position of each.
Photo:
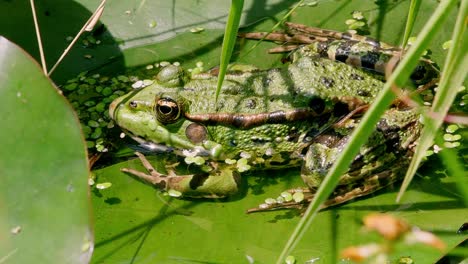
(167, 110)
(164, 109)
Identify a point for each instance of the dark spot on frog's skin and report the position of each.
(383, 126)
(317, 104)
(220, 105)
(251, 104)
(418, 73)
(47, 13)
(340, 109)
(392, 141)
(364, 93)
(357, 164)
(343, 51)
(233, 90)
(327, 81)
(322, 48)
(198, 180)
(196, 133)
(233, 143)
(356, 76)
(188, 89)
(369, 60)
(303, 152)
(161, 185)
(293, 135)
(266, 81)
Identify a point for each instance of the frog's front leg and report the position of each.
(223, 180)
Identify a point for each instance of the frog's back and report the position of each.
(298, 85)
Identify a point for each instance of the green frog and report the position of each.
(300, 115)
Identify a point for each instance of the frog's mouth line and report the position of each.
(160, 148)
(150, 146)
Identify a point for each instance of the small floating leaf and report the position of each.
(104, 185)
(174, 193)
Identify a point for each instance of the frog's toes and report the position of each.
(154, 177)
(154, 180)
(297, 198)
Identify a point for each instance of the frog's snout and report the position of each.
(114, 106)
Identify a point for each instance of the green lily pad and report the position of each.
(135, 223)
(44, 211)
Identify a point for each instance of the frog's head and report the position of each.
(155, 115)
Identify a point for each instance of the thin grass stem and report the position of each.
(88, 26)
(39, 40)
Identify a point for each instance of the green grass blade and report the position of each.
(453, 74)
(229, 40)
(363, 131)
(412, 14)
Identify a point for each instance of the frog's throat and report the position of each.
(245, 121)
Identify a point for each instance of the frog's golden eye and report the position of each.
(167, 110)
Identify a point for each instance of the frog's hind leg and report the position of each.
(221, 181)
(340, 195)
(360, 51)
(353, 49)
(299, 34)
(280, 37)
(326, 35)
